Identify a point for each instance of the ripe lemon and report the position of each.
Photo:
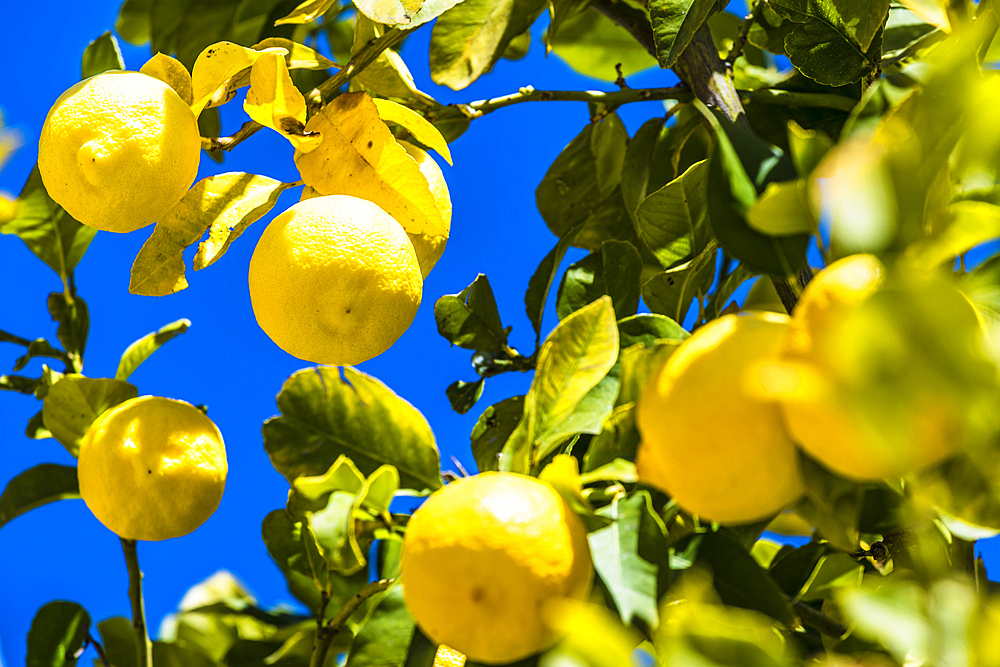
(707, 438)
(334, 280)
(430, 248)
(118, 150)
(482, 557)
(152, 468)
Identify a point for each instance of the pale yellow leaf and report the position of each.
(309, 10)
(274, 101)
(216, 66)
(389, 12)
(421, 128)
(358, 156)
(299, 56)
(171, 72)
(931, 11)
(158, 269)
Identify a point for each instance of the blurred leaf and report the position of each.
(731, 193)
(469, 38)
(74, 402)
(324, 416)
(541, 281)
(101, 55)
(118, 640)
(308, 11)
(575, 357)
(630, 578)
(617, 440)
(40, 348)
(563, 474)
(470, 318)
(671, 292)
(647, 329)
(171, 72)
(592, 637)
(275, 102)
(518, 47)
(370, 164)
(43, 484)
(389, 12)
(226, 204)
(973, 222)
(50, 232)
(793, 569)
(133, 24)
(36, 427)
(421, 129)
(492, 430)
(591, 44)
(674, 24)
(463, 395)
(423, 652)
(384, 640)
(672, 221)
(57, 633)
(830, 504)
(808, 147)
(139, 351)
(783, 210)
(834, 571)
(175, 655)
(614, 270)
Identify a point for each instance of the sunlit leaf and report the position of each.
(492, 430)
(298, 56)
(389, 12)
(973, 223)
(118, 639)
(470, 318)
(215, 66)
(171, 72)
(310, 10)
(43, 484)
(782, 210)
(421, 129)
(672, 221)
(74, 402)
(275, 102)
(592, 44)
(139, 351)
(674, 24)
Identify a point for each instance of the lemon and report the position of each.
(482, 557)
(152, 468)
(430, 248)
(707, 438)
(118, 150)
(334, 280)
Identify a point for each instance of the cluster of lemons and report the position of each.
(858, 391)
(334, 279)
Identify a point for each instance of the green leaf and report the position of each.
(817, 51)
(175, 655)
(306, 577)
(101, 55)
(808, 147)
(430, 10)
(56, 634)
(493, 429)
(468, 39)
(133, 24)
(638, 163)
(591, 44)
(324, 416)
(43, 484)
(139, 351)
(738, 579)
(75, 401)
(672, 221)
(40, 348)
(470, 318)
(671, 292)
(793, 569)
(576, 356)
(541, 281)
(831, 504)
(618, 440)
(855, 22)
(73, 317)
(834, 571)
(52, 234)
(614, 270)
(769, 30)
(583, 176)
(647, 329)
(422, 650)
(674, 24)
(629, 577)
(783, 210)
(739, 170)
(118, 640)
(463, 395)
(384, 640)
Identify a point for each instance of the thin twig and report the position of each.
(144, 647)
(327, 634)
(818, 621)
(100, 650)
(11, 338)
(741, 37)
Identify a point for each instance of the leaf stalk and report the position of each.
(144, 647)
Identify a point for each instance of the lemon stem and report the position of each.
(144, 647)
(328, 633)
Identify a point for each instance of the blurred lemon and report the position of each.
(334, 280)
(482, 557)
(152, 468)
(430, 248)
(118, 150)
(707, 438)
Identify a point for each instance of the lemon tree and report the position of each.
(769, 309)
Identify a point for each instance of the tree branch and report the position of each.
(818, 621)
(327, 634)
(144, 648)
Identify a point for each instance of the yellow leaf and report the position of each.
(309, 10)
(234, 199)
(8, 208)
(358, 156)
(421, 128)
(171, 72)
(931, 11)
(299, 56)
(389, 12)
(214, 71)
(274, 101)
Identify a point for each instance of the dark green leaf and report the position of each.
(792, 570)
(463, 395)
(492, 430)
(614, 270)
(903, 28)
(133, 21)
(470, 319)
(73, 317)
(36, 427)
(56, 634)
(284, 540)
(858, 23)
(541, 281)
(831, 504)
(101, 55)
(175, 655)
(19, 383)
(674, 24)
(118, 640)
(384, 640)
(139, 351)
(593, 44)
(51, 233)
(74, 402)
(647, 329)
(40, 348)
(636, 168)
(324, 416)
(817, 51)
(671, 292)
(769, 30)
(672, 221)
(43, 484)
(518, 47)
(618, 439)
(422, 650)
(210, 125)
(718, 301)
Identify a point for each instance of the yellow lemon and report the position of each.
(707, 438)
(334, 280)
(118, 150)
(152, 468)
(483, 556)
(430, 248)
